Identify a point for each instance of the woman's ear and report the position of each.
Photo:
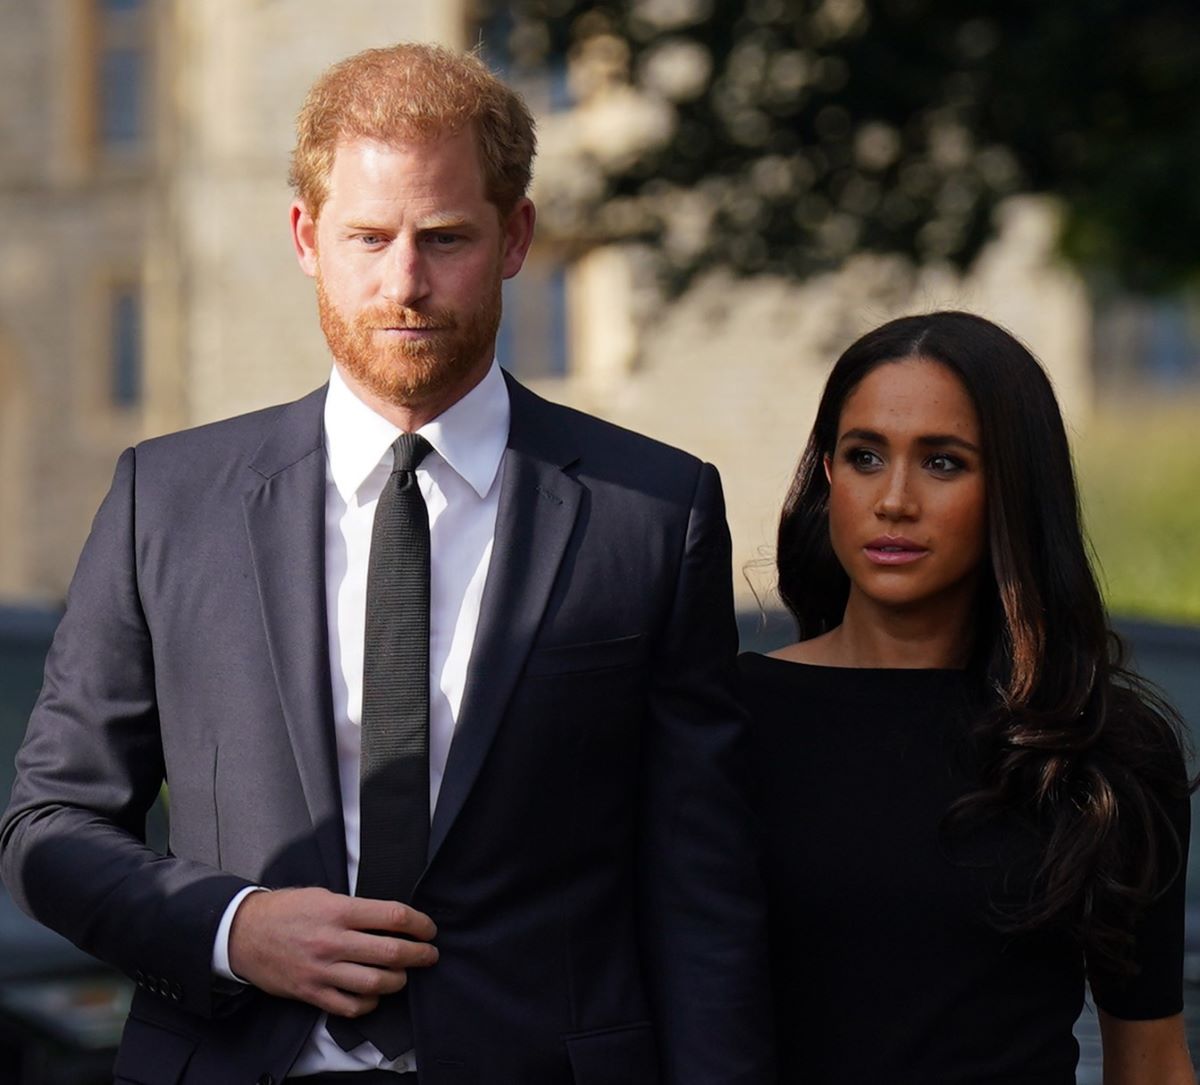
(827, 463)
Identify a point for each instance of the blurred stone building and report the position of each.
(147, 280)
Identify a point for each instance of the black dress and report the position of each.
(887, 965)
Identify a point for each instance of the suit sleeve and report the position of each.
(703, 912)
(72, 848)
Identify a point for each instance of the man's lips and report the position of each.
(894, 550)
(406, 332)
(408, 328)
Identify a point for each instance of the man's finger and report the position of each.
(339, 1003)
(387, 951)
(390, 915)
(362, 982)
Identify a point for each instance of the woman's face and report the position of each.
(907, 514)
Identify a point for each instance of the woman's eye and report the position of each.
(944, 464)
(863, 458)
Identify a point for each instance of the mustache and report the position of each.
(400, 316)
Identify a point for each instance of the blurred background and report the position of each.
(729, 192)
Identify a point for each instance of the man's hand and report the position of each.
(338, 953)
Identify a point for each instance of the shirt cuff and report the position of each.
(220, 956)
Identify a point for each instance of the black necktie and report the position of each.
(394, 784)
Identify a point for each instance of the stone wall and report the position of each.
(72, 226)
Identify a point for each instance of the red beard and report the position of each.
(410, 372)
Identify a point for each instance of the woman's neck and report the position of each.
(875, 636)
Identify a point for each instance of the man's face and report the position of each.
(408, 254)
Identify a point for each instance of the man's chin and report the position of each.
(415, 382)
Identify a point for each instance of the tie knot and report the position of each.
(408, 450)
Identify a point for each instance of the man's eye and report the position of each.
(371, 239)
(444, 238)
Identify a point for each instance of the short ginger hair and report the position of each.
(413, 93)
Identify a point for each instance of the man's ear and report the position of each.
(518, 236)
(304, 237)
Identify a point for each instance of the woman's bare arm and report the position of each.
(1145, 1052)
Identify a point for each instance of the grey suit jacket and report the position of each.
(590, 863)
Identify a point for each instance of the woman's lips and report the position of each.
(894, 551)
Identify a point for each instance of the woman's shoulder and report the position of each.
(776, 671)
(776, 688)
(782, 683)
(791, 666)
(1145, 735)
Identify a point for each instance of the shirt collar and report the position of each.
(470, 435)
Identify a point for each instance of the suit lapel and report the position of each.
(536, 515)
(285, 518)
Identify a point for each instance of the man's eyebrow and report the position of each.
(448, 221)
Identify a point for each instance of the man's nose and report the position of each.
(896, 500)
(405, 275)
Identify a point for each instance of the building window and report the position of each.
(121, 75)
(125, 346)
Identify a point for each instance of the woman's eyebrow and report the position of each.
(940, 439)
(858, 434)
(931, 440)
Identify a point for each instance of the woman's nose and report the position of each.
(896, 501)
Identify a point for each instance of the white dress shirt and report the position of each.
(460, 481)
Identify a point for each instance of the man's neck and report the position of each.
(411, 415)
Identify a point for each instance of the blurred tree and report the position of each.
(799, 131)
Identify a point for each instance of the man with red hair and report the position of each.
(437, 673)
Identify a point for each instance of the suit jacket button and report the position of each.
(266, 1079)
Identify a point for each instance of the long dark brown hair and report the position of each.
(1073, 740)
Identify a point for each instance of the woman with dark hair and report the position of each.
(971, 807)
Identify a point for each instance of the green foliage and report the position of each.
(805, 130)
(1139, 469)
